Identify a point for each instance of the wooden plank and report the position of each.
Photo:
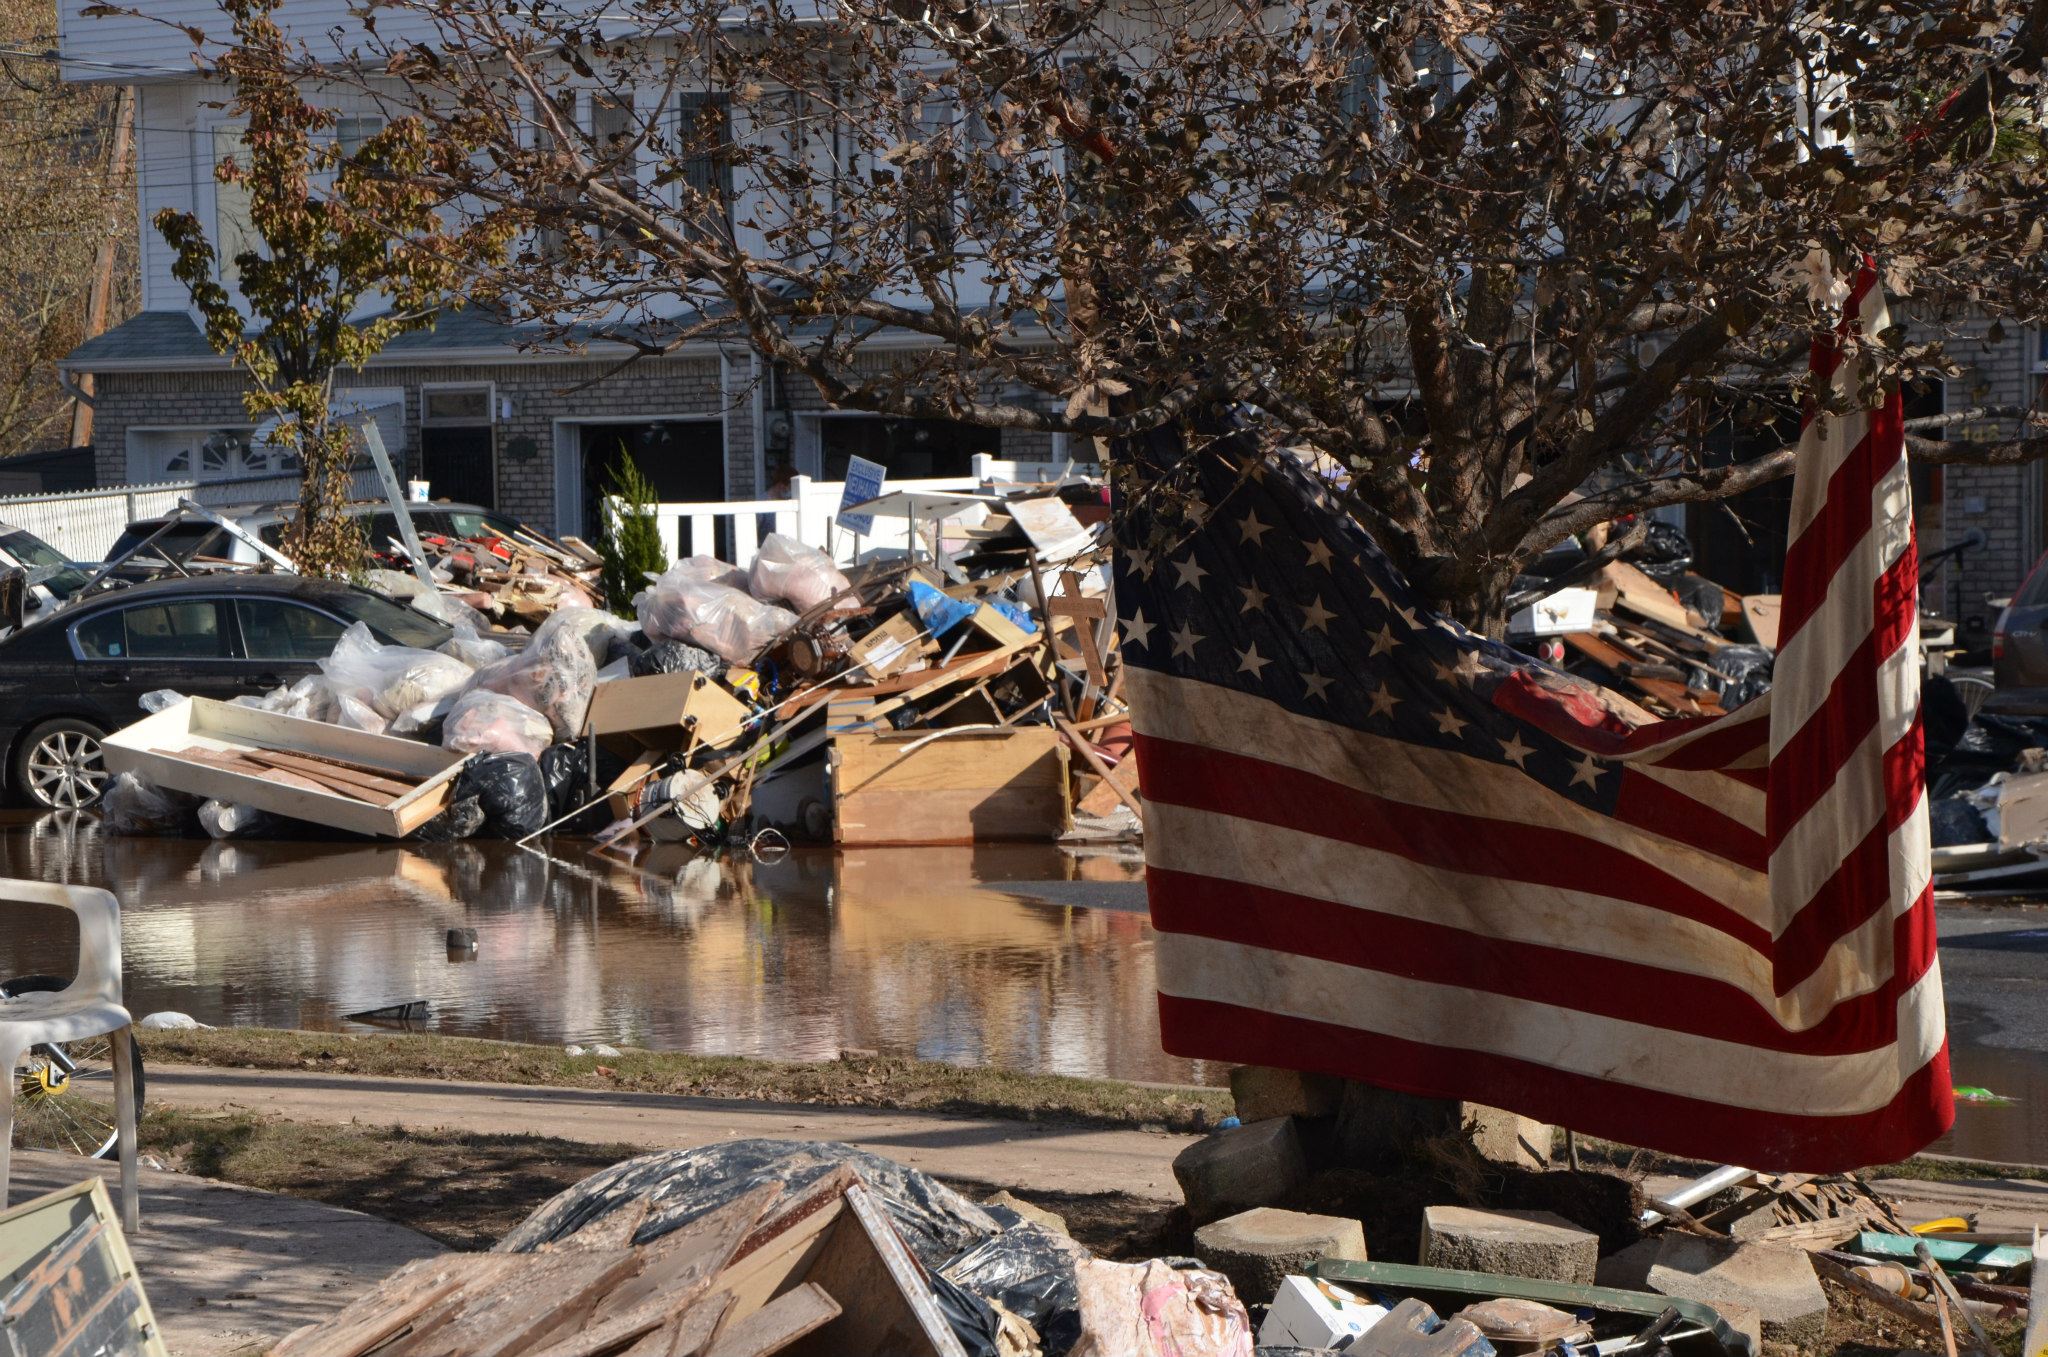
(544, 1294)
(323, 778)
(1643, 596)
(339, 772)
(1611, 657)
(2035, 1344)
(973, 786)
(897, 1314)
(390, 1307)
(1080, 745)
(778, 1324)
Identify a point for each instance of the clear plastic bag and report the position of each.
(703, 570)
(390, 678)
(786, 569)
(729, 623)
(472, 649)
(134, 808)
(158, 699)
(225, 820)
(597, 628)
(448, 609)
(485, 722)
(554, 676)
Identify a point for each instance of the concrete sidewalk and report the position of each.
(1013, 1154)
(230, 1270)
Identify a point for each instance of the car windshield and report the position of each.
(388, 620)
(472, 523)
(64, 579)
(181, 541)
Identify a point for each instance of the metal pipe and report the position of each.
(1696, 1191)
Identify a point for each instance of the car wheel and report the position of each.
(57, 765)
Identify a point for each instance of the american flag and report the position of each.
(1382, 847)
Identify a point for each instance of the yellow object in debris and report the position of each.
(1946, 1225)
(745, 682)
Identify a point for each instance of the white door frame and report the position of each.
(569, 459)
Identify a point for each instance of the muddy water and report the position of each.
(1018, 956)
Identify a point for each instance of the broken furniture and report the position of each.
(68, 1285)
(90, 1006)
(290, 766)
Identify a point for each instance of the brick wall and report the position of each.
(2004, 503)
(542, 392)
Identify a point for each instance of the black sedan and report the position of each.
(67, 681)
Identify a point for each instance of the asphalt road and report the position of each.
(1994, 968)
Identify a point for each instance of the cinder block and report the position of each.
(1256, 1248)
(1775, 1280)
(1514, 1243)
(1235, 1170)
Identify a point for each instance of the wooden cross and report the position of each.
(1086, 614)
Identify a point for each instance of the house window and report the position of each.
(351, 133)
(203, 455)
(455, 405)
(234, 230)
(703, 154)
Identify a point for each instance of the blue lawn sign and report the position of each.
(863, 483)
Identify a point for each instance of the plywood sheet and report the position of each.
(974, 786)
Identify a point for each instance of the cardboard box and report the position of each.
(664, 710)
(1313, 1314)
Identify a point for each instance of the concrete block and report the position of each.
(1514, 1243)
(1262, 1092)
(1037, 1215)
(1506, 1137)
(1235, 1170)
(1777, 1281)
(1257, 1248)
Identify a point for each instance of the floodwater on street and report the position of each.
(1021, 956)
(937, 953)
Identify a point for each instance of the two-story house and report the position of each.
(482, 410)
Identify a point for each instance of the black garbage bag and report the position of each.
(1746, 674)
(1664, 554)
(1029, 1271)
(624, 645)
(1954, 822)
(674, 657)
(1704, 597)
(511, 791)
(459, 820)
(1943, 718)
(566, 770)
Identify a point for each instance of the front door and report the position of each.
(458, 463)
(684, 459)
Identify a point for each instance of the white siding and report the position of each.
(174, 173)
(127, 49)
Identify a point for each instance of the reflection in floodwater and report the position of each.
(906, 951)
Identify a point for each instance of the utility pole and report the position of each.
(120, 156)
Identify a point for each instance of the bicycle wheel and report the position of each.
(64, 1091)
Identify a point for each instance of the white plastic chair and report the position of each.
(90, 1006)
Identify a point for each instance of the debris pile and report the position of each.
(756, 1247)
(967, 693)
(1476, 1253)
(1641, 622)
(515, 579)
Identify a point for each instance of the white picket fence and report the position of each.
(84, 524)
(732, 529)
